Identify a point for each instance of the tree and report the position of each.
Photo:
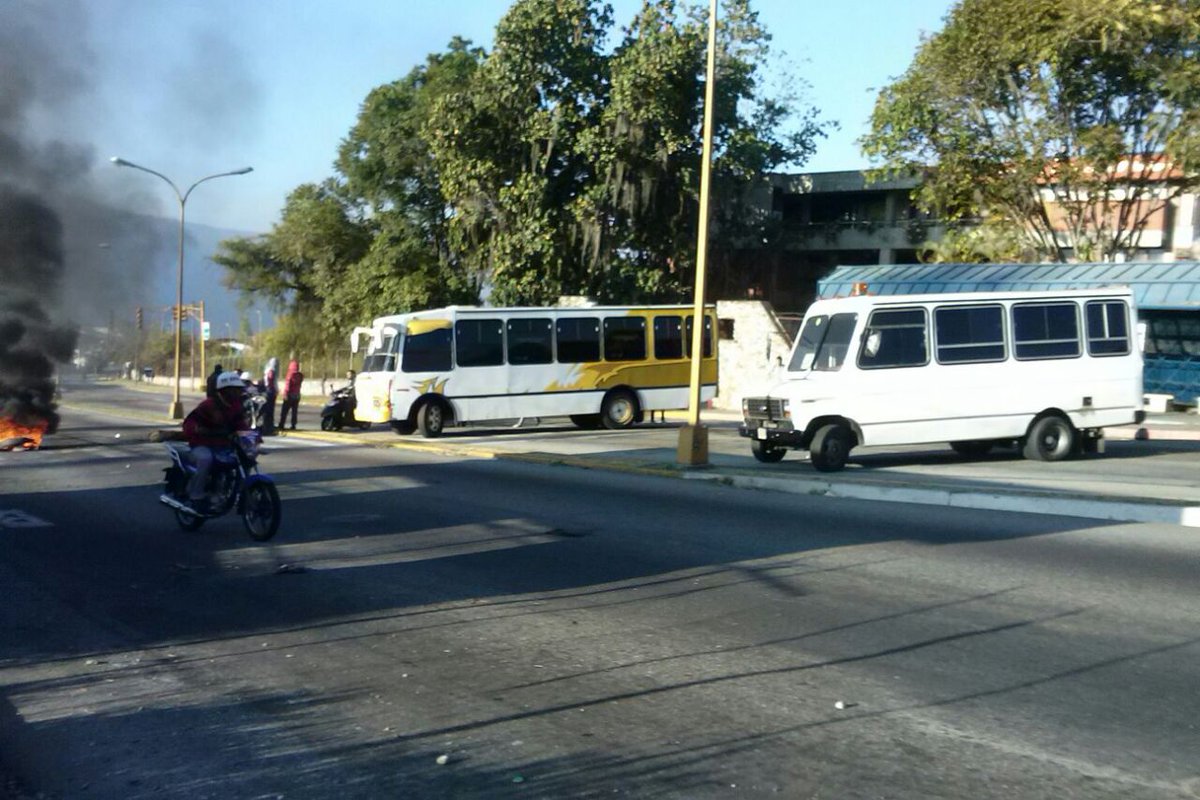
(1062, 128)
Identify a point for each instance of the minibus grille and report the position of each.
(764, 408)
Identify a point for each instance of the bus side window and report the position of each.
(427, 352)
(624, 338)
(578, 339)
(530, 341)
(479, 342)
(706, 339)
(668, 337)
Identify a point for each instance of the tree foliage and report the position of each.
(553, 164)
(1061, 127)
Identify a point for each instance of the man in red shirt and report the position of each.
(209, 426)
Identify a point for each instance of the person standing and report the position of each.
(271, 392)
(291, 397)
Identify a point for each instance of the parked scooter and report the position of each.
(233, 482)
(338, 412)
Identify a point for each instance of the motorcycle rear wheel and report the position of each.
(261, 511)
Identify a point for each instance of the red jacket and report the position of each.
(211, 422)
(294, 379)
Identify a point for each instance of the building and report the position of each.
(830, 219)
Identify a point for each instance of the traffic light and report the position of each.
(137, 317)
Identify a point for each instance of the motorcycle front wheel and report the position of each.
(261, 511)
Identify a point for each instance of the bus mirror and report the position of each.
(779, 361)
(1141, 337)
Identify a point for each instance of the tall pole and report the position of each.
(203, 362)
(693, 437)
(176, 409)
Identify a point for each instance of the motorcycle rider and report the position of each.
(209, 426)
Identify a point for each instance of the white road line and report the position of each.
(15, 518)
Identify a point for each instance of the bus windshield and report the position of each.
(382, 359)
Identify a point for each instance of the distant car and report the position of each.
(148, 373)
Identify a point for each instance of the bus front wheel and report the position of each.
(431, 419)
(619, 410)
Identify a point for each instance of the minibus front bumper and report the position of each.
(775, 432)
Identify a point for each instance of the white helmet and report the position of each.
(228, 379)
(246, 378)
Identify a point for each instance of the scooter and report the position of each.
(338, 412)
(233, 482)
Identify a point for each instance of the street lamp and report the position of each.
(693, 437)
(176, 410)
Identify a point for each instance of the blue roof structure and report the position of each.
(1156, 285)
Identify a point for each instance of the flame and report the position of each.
(28, 437)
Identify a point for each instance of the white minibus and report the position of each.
(1045, 371)
(599, 365)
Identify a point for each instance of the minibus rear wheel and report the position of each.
(830, 447)
(765, 452)
(1050, 438)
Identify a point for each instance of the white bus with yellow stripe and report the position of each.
(600, 365)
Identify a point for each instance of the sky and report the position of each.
(190, 88)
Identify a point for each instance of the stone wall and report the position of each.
(748, 362)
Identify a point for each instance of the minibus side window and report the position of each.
(969, 334)
(1045, 330)
(1107, 328)
(895, 337)
(427, 352)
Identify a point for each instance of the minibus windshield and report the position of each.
(823, 344)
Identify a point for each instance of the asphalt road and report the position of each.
(456, 627)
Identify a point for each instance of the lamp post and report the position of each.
(176, 410)
(693, 437)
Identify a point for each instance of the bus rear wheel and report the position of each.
(1051, 438)
(619, 410)
(431, 419)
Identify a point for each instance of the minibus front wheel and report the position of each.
(830, 448)
(1050, 438)
(766, 453)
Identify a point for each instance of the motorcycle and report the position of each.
(233, 482)
(338, 412)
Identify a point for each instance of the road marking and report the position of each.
(14, 518)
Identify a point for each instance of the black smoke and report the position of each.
(31, 268)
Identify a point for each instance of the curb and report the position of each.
(1020, 502)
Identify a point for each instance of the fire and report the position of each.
(28, 437)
